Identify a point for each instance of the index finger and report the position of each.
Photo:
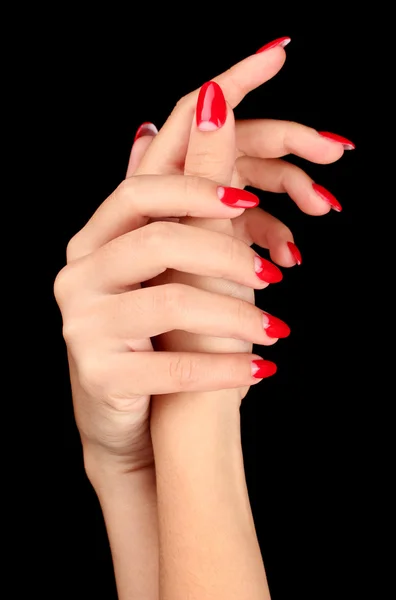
(236, 83)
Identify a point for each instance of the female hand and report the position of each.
(101, 283)
(109, 319)
(221, 162)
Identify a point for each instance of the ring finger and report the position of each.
(148, 312)
(276, 175)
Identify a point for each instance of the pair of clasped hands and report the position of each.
(157, 296)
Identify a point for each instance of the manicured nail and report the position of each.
(274, 327)
(266, 270)
(146, 129)
(327, 196)
(263, 368)
(237, 198)
(211, 110)
(295, 252)
(283, 41)
(348, 145)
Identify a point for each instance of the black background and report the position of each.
(304, 448)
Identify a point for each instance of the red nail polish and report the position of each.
(348, 145)
(237, 198)
(274, 327)
(327, 196)
(263, 368)
(283, 41)
(266, 270)
(211, 110)
(146, 129)
(295, 252)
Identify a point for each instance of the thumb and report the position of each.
(143, 138)
(211, 149)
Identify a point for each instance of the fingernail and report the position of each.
(237, 198)
(211, 110)
(274, 327)
(263, 368)
(146, 129)
(327, 196)
(283, 41)
(348, 145)
(295, 252)
(266, 270)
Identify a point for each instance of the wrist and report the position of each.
(107, 471)
(210, 415)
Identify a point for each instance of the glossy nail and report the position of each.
(211, 110)
(327, 196)
(348, 145)
(237, 198)
(295, 252)
(274, 327)
(283, 41)
(146, 129)
(266, 270)
(263, 368)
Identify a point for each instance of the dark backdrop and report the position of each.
(304, 449)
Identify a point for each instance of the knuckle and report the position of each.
(70, 330)
(72, 248)
(125, 189)
(232, 249)
(182, 102)
(245, 315)
(235, 83)
(156, 235)
(173, 298)
(183, 371)
(62, 285)
(192, 187)
(205, 163)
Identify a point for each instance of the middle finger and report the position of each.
(145, 253)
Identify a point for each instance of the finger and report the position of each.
(137, 199)
(268, 138)
(146, 252)
(168, 152)
(211, 149)
(143, 373)
(275, 175)
(260, 228)
(177, 306)
(143, 138)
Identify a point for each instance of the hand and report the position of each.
(256, 142)
(103, 424)
(109, 319)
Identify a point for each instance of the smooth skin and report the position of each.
(107, 314)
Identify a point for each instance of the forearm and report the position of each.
(208, 543)
(129, 505)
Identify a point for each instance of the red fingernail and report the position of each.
(348, 145)
(211, 107)
(237, 198)
(274, 327)
(327, 196)
(295, 252)
(266, 270)
(146, 129)
(263, 368)
(283, 41)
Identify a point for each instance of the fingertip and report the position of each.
(262, 369)
(146, 129)
(295, 253)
